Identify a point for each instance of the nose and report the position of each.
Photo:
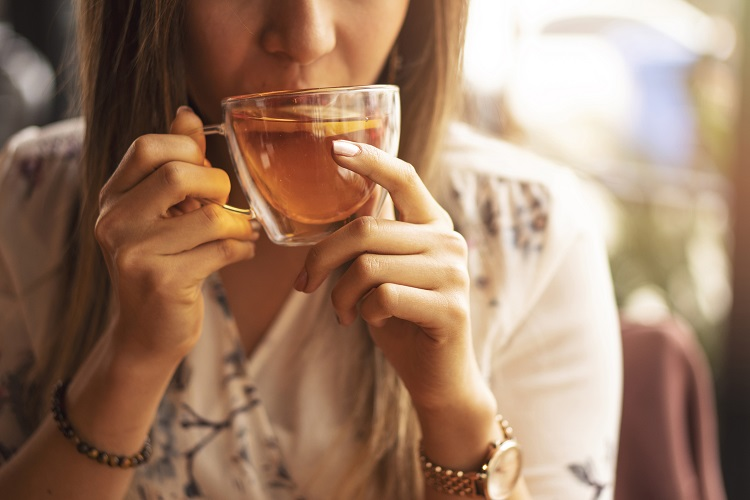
(300, 30)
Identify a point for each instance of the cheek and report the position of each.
(368, 36)
(215, 46)
(200, 60)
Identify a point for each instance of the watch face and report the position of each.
(503, 470)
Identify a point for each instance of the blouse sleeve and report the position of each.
(16, 360)
(557, 376)
(38, 175)
(545, 324)
(15, 346)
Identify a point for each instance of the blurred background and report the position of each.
(641, 98)
(646, 99)
(37, 66)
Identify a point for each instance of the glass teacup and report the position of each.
(281, 149)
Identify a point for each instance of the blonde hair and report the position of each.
(129, 52)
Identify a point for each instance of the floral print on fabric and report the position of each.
(33, 164)
(200, 441)
(586, 474)
(528, 203)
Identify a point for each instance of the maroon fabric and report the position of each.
(668, 442)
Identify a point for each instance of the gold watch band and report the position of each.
(453, 482)
(463, 483)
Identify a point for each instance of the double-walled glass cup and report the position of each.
(281, 150)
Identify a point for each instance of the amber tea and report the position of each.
(290, 163)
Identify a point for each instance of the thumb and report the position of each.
(186, 122)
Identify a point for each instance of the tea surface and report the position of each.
(290, 162)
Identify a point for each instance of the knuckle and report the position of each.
(455, 310)
(214, 214)
(227, 249)
(143, 148)
(387, 297)
(457, 244)
(104, 195)
(382, 302)
(172, 175)
(458, 276)
(103, 230)
(364, 227)
(126, 261)
(366, 266)
(462, 278)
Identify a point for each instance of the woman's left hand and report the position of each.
(409, 281)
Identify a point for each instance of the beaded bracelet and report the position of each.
(61, 417)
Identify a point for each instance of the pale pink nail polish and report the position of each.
(345, 148)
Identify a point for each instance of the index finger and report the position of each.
(412, 199)
(148, 152)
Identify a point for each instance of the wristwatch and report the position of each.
(496, 479)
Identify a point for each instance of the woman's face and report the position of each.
(235, 47)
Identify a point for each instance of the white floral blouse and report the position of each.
(270, 426)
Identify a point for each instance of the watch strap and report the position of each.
(462, 483)
(452, 482)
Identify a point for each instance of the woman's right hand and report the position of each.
(160, 243)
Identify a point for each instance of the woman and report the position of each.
(173, 318)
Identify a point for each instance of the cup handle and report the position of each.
(219, 130)
(243, 211)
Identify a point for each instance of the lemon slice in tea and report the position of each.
(312, 120)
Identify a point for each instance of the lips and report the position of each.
(291, 76)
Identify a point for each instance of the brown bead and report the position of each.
(58, 412)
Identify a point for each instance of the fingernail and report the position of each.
(301, 282)
(255, 226)
(345, 148)
(184, 108)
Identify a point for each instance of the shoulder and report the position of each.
(473, 150)
(482, 175)
(520, 215)
(516, 205)
(38, 159)
(42, 146)
(39, 191)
